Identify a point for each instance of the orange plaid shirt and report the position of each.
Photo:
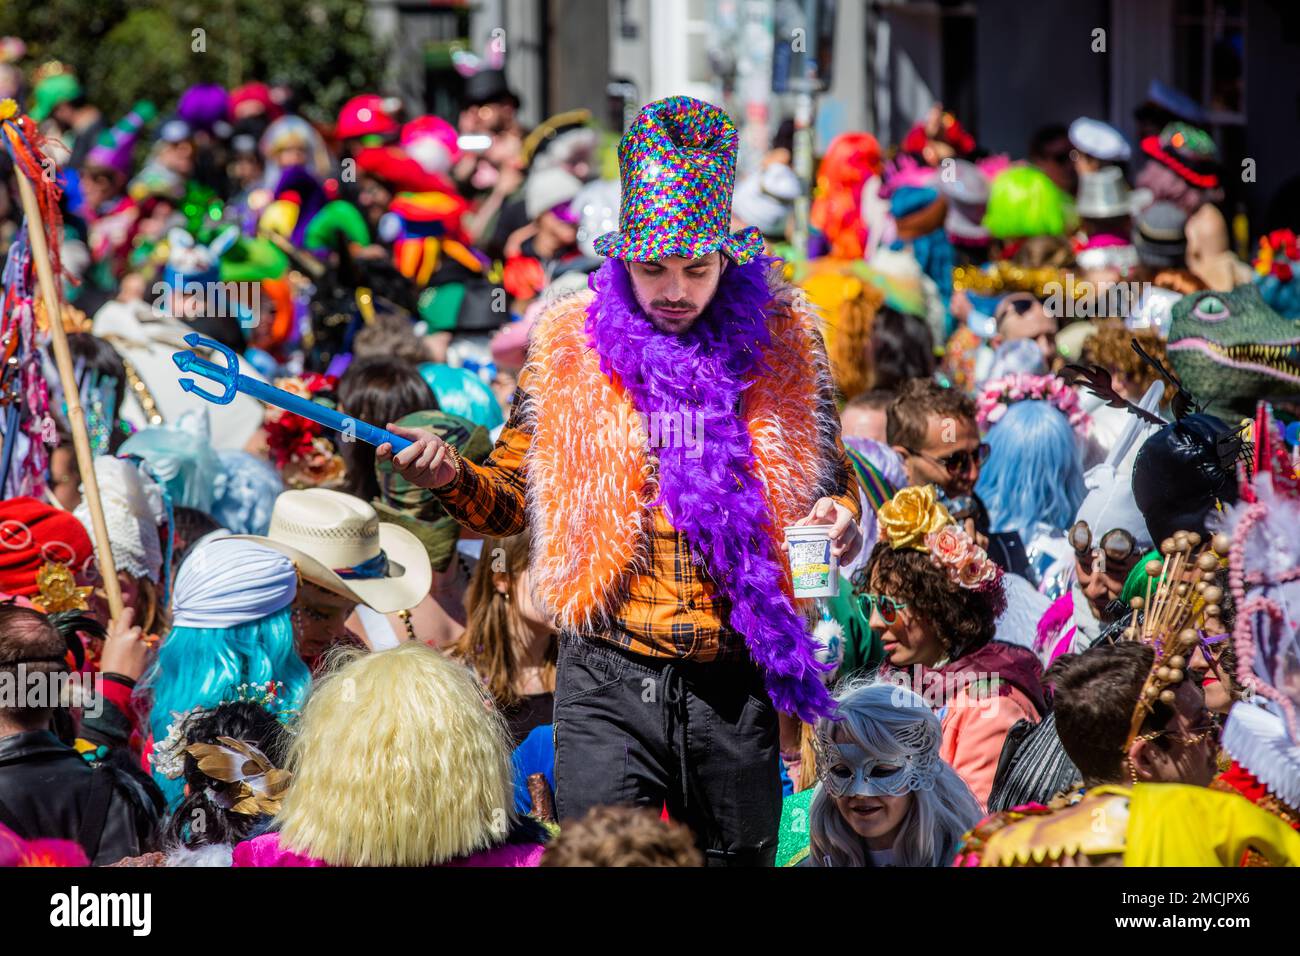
(672, 609)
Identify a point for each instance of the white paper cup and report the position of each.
(815, 570)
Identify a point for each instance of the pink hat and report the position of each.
(366, 115)
(431, 142)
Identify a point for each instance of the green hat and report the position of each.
(439, 306)
(53, 90)
(336, 217)
(417, 509)
(252, 260)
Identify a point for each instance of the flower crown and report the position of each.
(1001, 393)
(915, 519)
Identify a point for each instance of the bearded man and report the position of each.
(670, 422)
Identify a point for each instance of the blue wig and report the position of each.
(245, 493)
(1033, 473)
(460, 392)
(181, 458)
(1282, 297)
(203, 666)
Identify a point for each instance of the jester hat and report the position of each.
(678, 167)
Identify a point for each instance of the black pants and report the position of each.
(701, 738)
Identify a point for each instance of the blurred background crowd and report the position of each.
(371, 203)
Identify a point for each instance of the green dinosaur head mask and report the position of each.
(1230, 349)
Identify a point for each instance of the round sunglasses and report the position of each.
(887, 606)
(1117, 543)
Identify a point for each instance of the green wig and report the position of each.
(1135, 585)
(1024, 202)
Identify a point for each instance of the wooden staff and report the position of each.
(71, 394)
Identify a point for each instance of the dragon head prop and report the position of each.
(1231, 350)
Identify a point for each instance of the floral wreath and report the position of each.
(1001, 393)
(168, 757)
(304, 455)
(915, 519)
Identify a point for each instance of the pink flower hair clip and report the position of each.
(965, 562)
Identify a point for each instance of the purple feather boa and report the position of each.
(708, 485)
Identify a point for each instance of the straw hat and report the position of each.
(338, 542)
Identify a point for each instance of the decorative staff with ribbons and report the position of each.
(39, 192)
(231, 381)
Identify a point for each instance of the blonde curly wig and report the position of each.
(398, 761)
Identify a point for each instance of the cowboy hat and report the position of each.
(338, 542)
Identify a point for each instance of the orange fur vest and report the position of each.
(591, 483)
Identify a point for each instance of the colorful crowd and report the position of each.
(1034, 415)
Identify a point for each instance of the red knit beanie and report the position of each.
(32, 533)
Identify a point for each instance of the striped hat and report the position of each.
(678, 168)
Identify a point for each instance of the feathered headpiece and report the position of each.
(256, 784)
(1264, 577)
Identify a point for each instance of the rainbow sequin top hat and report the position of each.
(677, 163)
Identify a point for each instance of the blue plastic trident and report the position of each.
(231, 382)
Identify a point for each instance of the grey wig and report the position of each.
(872, 715)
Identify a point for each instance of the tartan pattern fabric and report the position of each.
(670, 608)
(677, 163)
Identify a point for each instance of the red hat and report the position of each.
(400, 171)
(950, 131)
(254, 93)
(365, 115)
(31, 533)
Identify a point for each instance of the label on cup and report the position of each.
(813, 569)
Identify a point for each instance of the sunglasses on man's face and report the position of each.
(1020, 305)
(887, 606)
(959, 462)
